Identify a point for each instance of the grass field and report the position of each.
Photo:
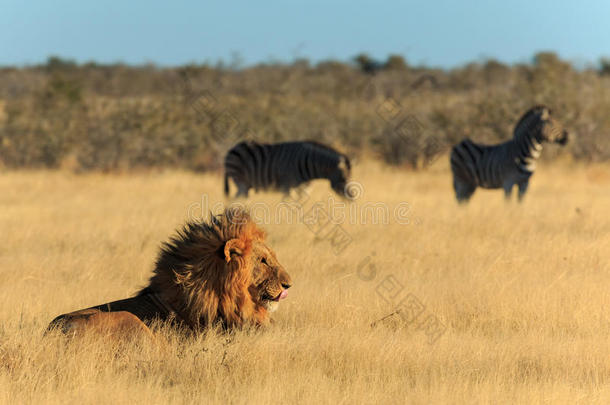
(515, 297)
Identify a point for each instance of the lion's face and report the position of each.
(269, 279)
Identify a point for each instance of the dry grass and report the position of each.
(522, 290)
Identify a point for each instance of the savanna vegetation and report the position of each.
(520, 293)
(117, 117)
(422, 302)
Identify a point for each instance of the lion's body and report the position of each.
(119, 323)
(217, 272)
(135, 313)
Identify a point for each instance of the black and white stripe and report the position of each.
(509, 163)
(283, 166)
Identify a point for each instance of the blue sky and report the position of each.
(435, 32)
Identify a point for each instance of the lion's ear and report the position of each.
(234, 247)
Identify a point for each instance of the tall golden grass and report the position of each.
(521, 289)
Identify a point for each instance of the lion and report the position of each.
(219, 272)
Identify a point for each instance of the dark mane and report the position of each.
(320, 146)
(197, 281)
(537, 109)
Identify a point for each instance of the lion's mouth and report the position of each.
(281, 295)
(277, 298)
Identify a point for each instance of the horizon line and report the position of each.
(236, 63)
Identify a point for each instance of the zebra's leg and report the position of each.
(463, 190)
(242, 190)
(522, 189)
(508, 189)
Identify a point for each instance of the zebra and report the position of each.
(282, 166)
(504, 165)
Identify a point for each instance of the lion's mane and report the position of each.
(204, 272)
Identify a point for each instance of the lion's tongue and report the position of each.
(282, 295)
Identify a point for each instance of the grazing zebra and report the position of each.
(506, 164)
(282, 166)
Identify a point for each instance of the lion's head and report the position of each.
(221, 271)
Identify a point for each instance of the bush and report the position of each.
(116, 117)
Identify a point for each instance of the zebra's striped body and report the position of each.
(509, 163)
(283, 166)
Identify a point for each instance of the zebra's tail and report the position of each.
(226, 185)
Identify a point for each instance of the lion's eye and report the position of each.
(264, 261)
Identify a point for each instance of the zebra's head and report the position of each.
(550, 130)
(340, 176)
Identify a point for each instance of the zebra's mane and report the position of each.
(321, 146)
(525, 120)
(328, 152)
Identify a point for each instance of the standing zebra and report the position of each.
(506, 164)
(282, 166)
